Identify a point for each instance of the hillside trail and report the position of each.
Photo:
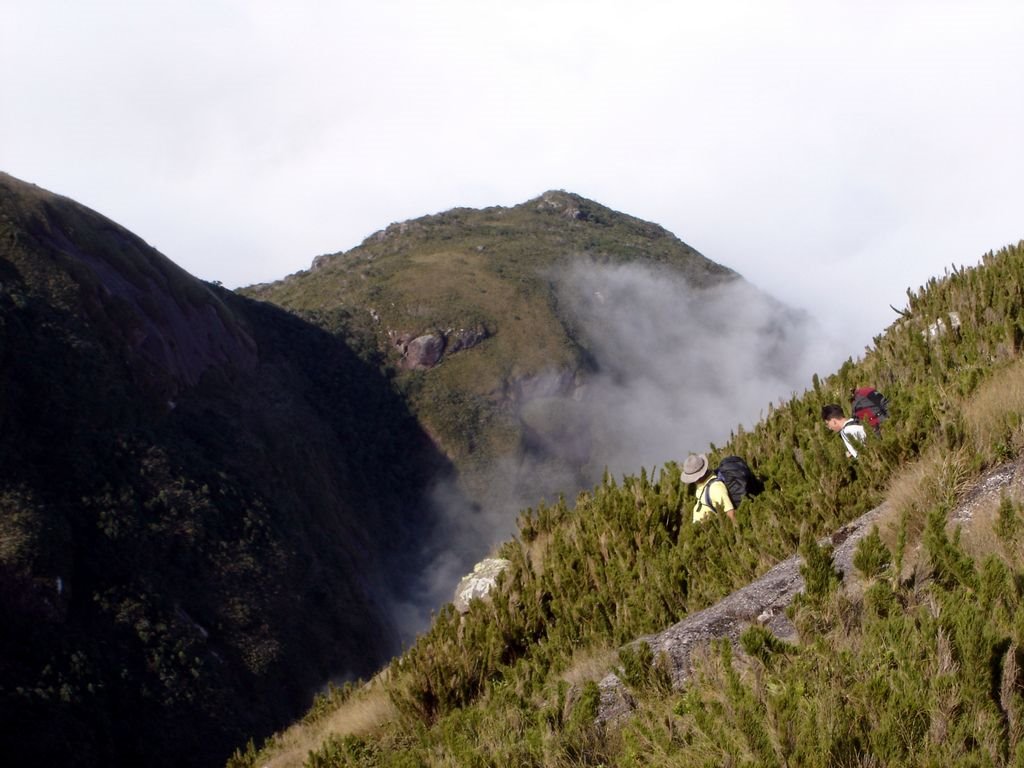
(765, 600)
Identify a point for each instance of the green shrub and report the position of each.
(763, 645)
(1008, 521)
(872, 557)
(640, 671)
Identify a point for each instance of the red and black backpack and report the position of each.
(869, 407)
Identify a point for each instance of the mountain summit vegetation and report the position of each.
(521, 336)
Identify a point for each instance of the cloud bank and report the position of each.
(674, 368)
(680, 367)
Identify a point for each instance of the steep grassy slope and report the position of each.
(920, 666)
(206, 504)
(488, 286)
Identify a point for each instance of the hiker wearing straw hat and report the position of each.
(712, 493)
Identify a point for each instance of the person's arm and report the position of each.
(852, 432)
(721, 500)
(850, 450)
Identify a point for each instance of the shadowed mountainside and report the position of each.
(208, 507)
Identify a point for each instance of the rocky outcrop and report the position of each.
(426, 350)
(174, 327)
(561, 203)
(943, 325)
(423, 352)
(464, 338)
(478, 584)
(762, 602)
(765, 601)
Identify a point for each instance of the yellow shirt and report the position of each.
(718, 496)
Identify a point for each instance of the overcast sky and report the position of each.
(870, 145)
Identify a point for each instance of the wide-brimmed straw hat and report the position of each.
(694, 468)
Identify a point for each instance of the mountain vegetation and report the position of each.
(208, 507)
(916, 663)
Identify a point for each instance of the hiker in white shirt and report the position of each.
(850, 430)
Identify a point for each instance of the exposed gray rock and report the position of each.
(464, 338)
(765, 601)
(761, 602)
(423, 352)
(397, 228)
(478, 584)
(560, 202)
(942, 325)
(321, 261)
(400, 340)
(181, 328)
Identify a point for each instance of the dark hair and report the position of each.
(832, 411)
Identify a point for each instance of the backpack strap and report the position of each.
(706, 495)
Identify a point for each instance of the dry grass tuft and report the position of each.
(592, 664)
(993, 420)
(938, 478)
(978, 538)
(994, 416)
(536, 551)
(363, 714)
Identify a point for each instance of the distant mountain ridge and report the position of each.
(207, 506)
(496, 323)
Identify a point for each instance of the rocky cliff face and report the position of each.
(204, 502)
(174, 328)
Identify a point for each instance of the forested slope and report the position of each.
(207, 506)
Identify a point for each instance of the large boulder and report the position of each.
(423, 351)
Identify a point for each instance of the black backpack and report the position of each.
(869, 407)
(739, 480)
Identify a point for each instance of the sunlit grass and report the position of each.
(591, 664)
(363, 714)
(994, 416)
(936, 479)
